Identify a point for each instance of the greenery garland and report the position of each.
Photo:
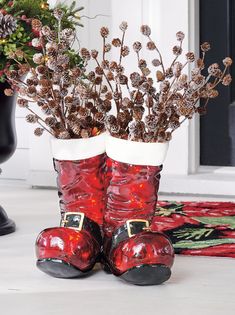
(15, 44)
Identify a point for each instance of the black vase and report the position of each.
(7, 145)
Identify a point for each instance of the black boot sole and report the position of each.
(7, 227)
(106, 268)
(147, 275)
(60, 269)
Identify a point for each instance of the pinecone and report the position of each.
(180, 36)
(36, 24)
(148, 137)
(205, 47)
(64, 135)
(137, 46)
(142, 64)
(156, 62)
(190, 56)
(227, 80)
(123, 26)
(8, 92)
(22, 102)
(76, 129)
(116, 42)
(125, 51)
(104, 89)
(177, 50)
(151, 45)
(50, 121)
(31, 91)
(58, 14)
(213, 69)
(38, 132)
(227, 61)
(123, 80)
(8, 25)
(32, 119)
(107, 48)
(145, 30)
(94, 53)
(114, 128)
(85, 133)
(136, 130)
(67, 35)
(99, 70)
(83, 112)
(138, 113)
(85, 54)
(66, 78)
(135, 79)
(100, 117)
(107, 105)
(104, 32)
(113, 65)
(174, 124)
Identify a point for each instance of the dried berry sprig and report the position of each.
(146, 31)
(72, 102)
(156, 107)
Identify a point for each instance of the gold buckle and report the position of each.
(66, 220)
(129, 227)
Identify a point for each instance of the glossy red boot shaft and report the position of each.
(132, 193)
(81, 186)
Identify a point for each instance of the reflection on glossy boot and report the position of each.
(70, 250)
(138, 255)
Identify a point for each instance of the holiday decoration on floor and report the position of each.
(147, 114)
(72, 249)
(58, 86)
(107, 212)
(132, 250)
(198, 228)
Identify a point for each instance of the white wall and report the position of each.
(18, 166)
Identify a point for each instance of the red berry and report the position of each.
(3, 11)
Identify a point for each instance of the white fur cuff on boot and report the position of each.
(137, 153)
(78, 149)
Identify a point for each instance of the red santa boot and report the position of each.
(131, 250)
(72, 249)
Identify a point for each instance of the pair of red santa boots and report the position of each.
(106, 206)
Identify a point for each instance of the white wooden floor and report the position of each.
(198, 285)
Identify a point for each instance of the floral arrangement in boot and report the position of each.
(150, 106)
(72, 103)
(20, 21)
